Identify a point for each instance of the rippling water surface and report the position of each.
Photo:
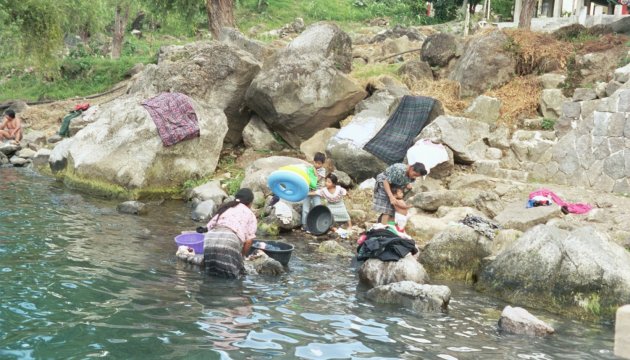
(78, 280)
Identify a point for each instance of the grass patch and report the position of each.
(83, 72)
(367, 71)
(271, 14)
(227, 164)
(547, 124)
(80, 77)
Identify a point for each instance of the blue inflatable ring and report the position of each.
(288, 185)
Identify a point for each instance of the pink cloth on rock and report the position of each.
(173, 116)
(239, 219)
(574, 208)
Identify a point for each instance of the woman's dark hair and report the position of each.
(10, 113)
(333, 178)
(319, 157)
(419, 168)
(244, 196)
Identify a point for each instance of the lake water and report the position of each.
(78, 280)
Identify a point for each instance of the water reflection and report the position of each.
(80, 280)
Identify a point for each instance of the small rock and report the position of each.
(132, 207)
(517, 320)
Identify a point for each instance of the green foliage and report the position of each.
(547, 124)
(275, 13)
(193, 183)
(39, 29)
(446, 10)
(503, 9)
(78, 77)
(237, 174)
(233, 184)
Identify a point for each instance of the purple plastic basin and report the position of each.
(193, 240)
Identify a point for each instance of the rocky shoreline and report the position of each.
(304, 94)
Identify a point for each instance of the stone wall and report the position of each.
(595, 149)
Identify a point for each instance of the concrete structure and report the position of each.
(622, 332)
(554, 14)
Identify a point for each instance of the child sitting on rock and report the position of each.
(333, 194)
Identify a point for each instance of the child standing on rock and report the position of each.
(333, 194)
(313, 200)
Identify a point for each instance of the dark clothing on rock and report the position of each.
(382, 244)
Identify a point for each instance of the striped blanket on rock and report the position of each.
(390, 144)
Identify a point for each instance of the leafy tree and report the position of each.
(38, 26)
(502, 8)
(446, 10)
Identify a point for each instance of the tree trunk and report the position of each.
(120, 23)
(527, 13)
(220, 14)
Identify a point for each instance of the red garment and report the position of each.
(575, 208)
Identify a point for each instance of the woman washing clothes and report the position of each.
(231, 232)
(398, 175)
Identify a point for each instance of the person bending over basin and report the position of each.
(231, 232)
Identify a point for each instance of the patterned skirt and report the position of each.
(380, 200)
(222, 253)
(339, 211)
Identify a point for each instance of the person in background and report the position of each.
(11, 127)
(399, 175)
(231, 232)
(333, 194)
(313, 200)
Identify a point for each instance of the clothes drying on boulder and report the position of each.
(384, 245)
(173, 116)
(575, 208)
(427, 153)
(64, 130)
(391, 143)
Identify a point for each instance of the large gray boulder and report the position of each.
(375, 272)
(214, 73)
(257, 135)
(304, 88)
(465, 137)
(234, 37)
(411, 295)
(438, 49)
(122, 148)
(318, 142)
(455, 253)
(561, 270)
(485, 64)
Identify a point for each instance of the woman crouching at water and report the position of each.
(230, 234)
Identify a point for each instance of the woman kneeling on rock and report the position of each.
(230, 235)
